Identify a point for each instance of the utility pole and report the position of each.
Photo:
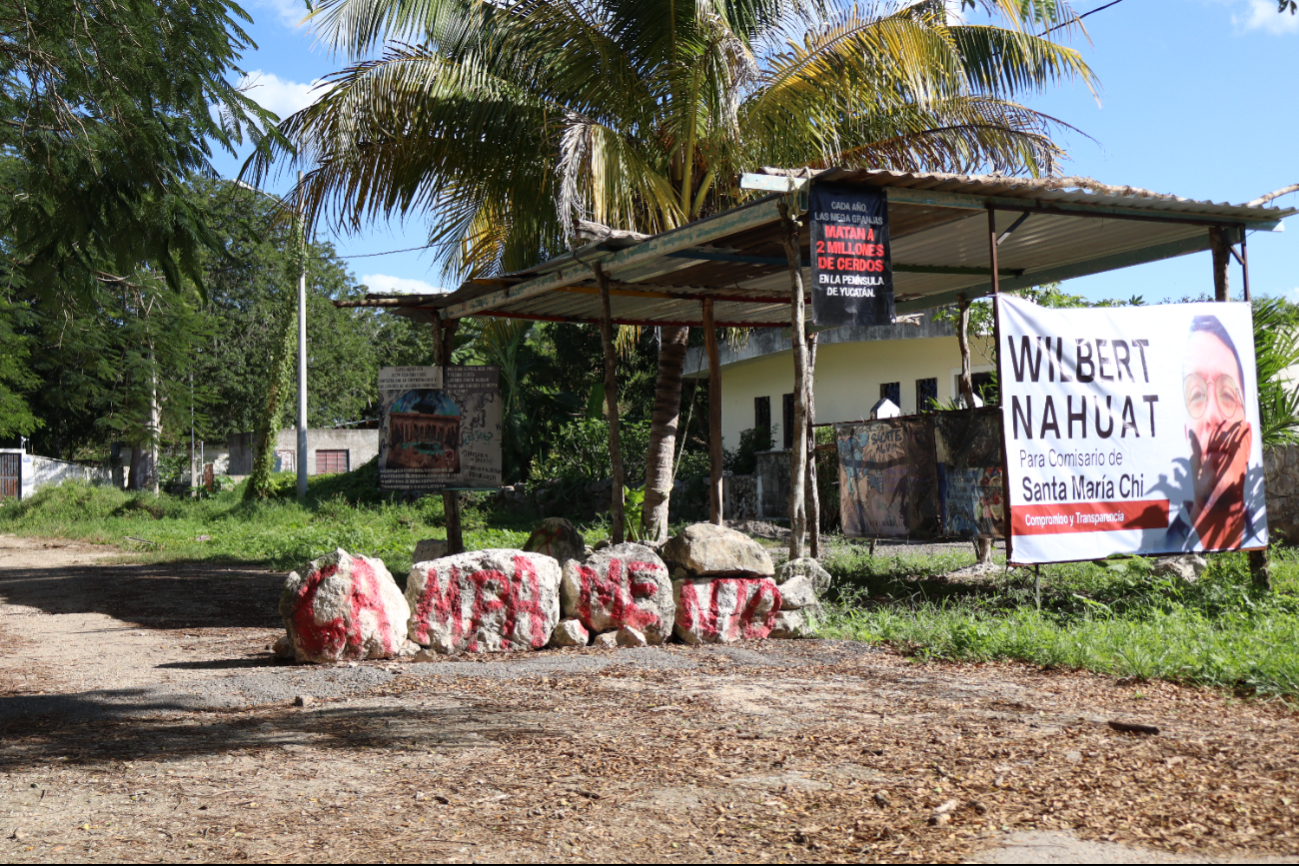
(302, 352)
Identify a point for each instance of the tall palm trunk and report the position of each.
(663, 432)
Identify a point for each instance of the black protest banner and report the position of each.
(852, 273)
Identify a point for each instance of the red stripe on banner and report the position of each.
(1061, 517)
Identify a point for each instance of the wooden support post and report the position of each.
(443, 343)
(813, 485)
(996, 337)
(798, 457)
(715, 453)
(966, 380)
(616, 512)
(1220, 246)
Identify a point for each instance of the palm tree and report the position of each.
(506, 123)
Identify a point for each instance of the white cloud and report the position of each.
(383, 284)
(279, 95)
(289, 12)
(1263, 16)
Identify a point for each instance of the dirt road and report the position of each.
(143, 718)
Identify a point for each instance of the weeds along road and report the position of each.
(144, 719)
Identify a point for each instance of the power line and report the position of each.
(387, 253)
(1080, 17)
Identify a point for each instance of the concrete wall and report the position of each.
(36, 472)
(362, 447)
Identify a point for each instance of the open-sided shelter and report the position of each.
(953, 239)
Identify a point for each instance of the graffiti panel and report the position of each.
(888, 486)
(971, 492)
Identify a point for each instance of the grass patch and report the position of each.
(340, 511)
(1116, 618)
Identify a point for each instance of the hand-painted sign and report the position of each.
(1130, 430)
(440, 428)
(887, 484)
(852, 273)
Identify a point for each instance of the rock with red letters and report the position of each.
(706, 549)
(343, 607)
(625, 585)
(725, 609)
(484, 601)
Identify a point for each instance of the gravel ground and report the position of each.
(143, 718)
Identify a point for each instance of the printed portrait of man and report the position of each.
(1220, 438)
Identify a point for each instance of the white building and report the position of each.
(855, 367)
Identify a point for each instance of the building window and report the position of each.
(762, 413)
(789, 421)
(984, 387)
(331, 462)
(891, 391)
(926, 394)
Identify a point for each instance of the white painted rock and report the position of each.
(725, 609)
(623, 585)
(556, 537)
(629, 637)
(608, 640)
(430, 548)
(570, 632)
(484, 601)
(792, 625)
(797, 592)
(1188, 567)
(707, 549)
(345, 607)
(805, 567)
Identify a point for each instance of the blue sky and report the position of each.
(1196, 98)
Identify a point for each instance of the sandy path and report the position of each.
(142, 718)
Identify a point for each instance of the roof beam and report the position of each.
(1141, 256)
(739, 259)
(759, 213)
(965, 201)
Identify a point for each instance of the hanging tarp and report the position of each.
(888, 487)
(852, 271)
(970, 490)
(440, 428)
(1130, 430)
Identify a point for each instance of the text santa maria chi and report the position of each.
(1080, 488)
(1084, 361)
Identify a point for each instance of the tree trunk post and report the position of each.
(798, 458)
(715, 454)
(814, 478)
(616, 512)
(1221, 249)
(155, 422)
(966, 379)
(996, 338)
(443, 343)
(660, 469)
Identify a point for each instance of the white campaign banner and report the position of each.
(1130, 430)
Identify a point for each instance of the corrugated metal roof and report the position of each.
(938, 230)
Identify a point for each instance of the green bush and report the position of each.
(581, 453)
(742, 459)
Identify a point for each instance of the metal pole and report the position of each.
(193, 485)
(302, 353)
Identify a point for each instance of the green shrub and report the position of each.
(581, 453)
